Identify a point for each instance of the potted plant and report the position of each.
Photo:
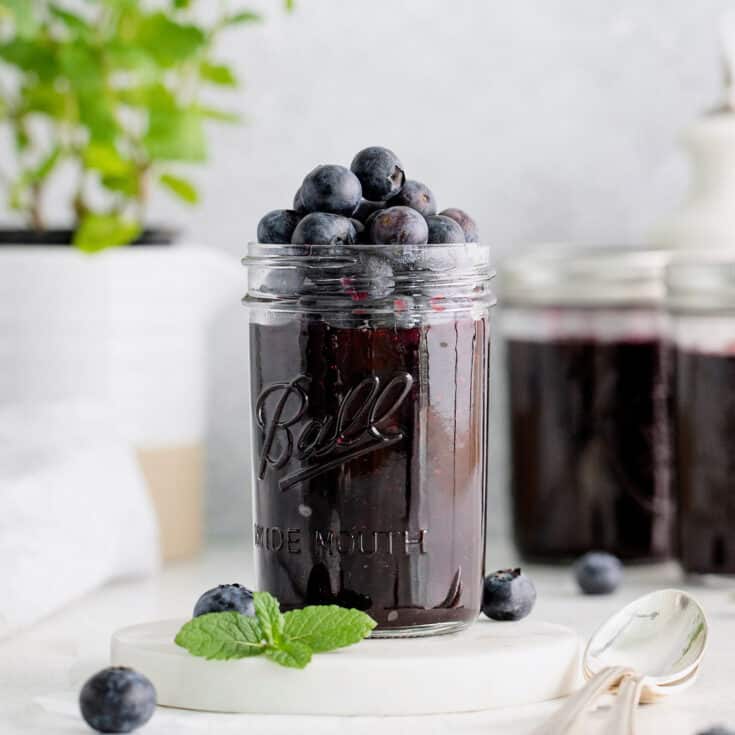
(109, 96)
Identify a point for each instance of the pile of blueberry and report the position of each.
(371, 202)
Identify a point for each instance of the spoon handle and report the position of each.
(623, 713)
(559, 723)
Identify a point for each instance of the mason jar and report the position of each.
(701, 302)
(586, 371)
(369, 369)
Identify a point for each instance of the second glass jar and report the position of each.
(586, 368)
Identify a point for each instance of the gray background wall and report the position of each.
(547, 119)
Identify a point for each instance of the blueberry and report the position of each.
(366, 209)
(226, 597)
(443, 230)
(399, 226)
(332, 189)
(598, 573)
(117, 699)
(322, 228)
(278, 226)
(508, 595)
(380, 172)
(298, 204)
(416, 195)
(468, 225)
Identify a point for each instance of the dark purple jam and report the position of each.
(590, 467)
(370, 453)
(704, 436)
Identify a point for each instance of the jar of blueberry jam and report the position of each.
(701, 299)
(369, 385)
(586, 371)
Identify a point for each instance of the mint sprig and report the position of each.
(288, 640)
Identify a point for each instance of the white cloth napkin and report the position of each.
(74, 509)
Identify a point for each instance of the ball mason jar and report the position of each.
(369, 388)
(701, 302)
(586, 371)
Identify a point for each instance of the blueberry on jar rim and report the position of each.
(399, 226)
(323, 228)
(416, 195)
(468, 225)
(380, 173)
(331, 188)
(444, 230)
(277, 226)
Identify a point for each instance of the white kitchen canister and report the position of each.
(125, 328)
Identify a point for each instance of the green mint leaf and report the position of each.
(268, 613)
(294, 654)
(182, 188)
(223, 635)
(326, 627)
(175, 135)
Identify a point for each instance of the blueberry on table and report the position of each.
(508, 595)
(323, 228)
(117, 699)
(598, 573)
(278, 226)
(468, 225)
(416, 195)
(366, 209)
(380, 172)
(399, 226)
(224, 598)
(443, 230)
(332, 189)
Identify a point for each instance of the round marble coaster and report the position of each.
(490, 665)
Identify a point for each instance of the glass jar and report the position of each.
(369, 384)
(701, 301)
(587, 397)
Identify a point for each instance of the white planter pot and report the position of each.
(126, 328)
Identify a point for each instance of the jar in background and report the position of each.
(369, 389)
(586, 370)
(701, 301)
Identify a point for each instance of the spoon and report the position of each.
(651, 648)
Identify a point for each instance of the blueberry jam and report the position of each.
(704, 436)
(370, 465)
(590, 463)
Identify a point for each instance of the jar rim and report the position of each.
(367, 276)
(565, 274)
(701, 281)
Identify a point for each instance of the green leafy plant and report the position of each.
(116, 89)
(287, 639)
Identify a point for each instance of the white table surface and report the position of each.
(42, 669)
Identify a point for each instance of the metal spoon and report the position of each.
(651, 648)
